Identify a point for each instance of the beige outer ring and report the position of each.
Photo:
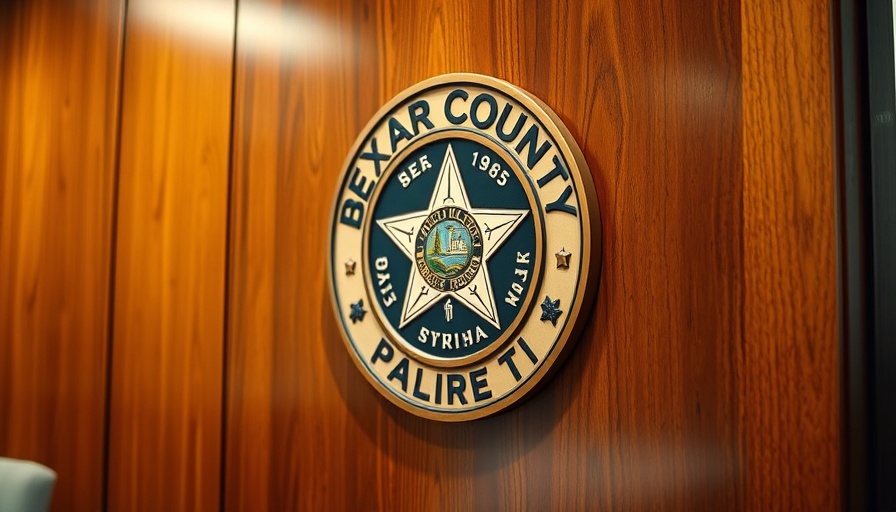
(589, 215)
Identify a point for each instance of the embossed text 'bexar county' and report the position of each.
(483, 112)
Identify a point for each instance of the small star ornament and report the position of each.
(550, 310)
(350, 267)
(563, 258)
(357, 312)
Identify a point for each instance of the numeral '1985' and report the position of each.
(484, 163)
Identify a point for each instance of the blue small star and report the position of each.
(357, 312)
(550, 310)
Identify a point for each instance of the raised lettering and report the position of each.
(531, 139)
(492, 110)
(560, 203)
(375, 156)
(352, 213)
(507, 359)
(527, 350)
(383, 352)
(457, 385)
(438, 388)
(507, 137)
(558, 170)
(417, 393)
(479, 383)
(397, 133)
(419, 112)
(511, 299)
(400, 373)
(453, 95)
(357, 185)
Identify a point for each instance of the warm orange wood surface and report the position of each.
(646, 413)
(706, 379)
(167, 373)
(59, 73)
(788, 382)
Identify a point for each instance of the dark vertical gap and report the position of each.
(849, 64)
(228, 239)
(113, 249)
(880, 124)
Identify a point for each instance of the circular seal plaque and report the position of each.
(464, 247)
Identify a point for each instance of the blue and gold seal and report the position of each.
(466, 224)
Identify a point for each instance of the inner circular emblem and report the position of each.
(440, 223)
(449, 249)
(464, 247)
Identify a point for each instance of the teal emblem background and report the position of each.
(483, 192)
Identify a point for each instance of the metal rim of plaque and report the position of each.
(465, 250)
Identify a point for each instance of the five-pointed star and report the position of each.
(496, 226)
(563, 258)
(550, 310)
(357, 311)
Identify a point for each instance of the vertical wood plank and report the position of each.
(645, 415)
(788, 378)
(167, 371)
(706, 380)
(60, 67)
(297, 81)
(648, 400)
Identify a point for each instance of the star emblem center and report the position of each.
(497, 225)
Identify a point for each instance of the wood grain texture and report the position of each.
(59, 73)
(167, 373)
(706, 379)
(294, 99)
(788, 364)
(646, 413)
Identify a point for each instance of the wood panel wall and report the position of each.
(167, 359)
(59, 92)
(788, 383)
(174, 325)
(646, 413)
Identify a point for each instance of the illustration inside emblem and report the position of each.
(448, 248)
